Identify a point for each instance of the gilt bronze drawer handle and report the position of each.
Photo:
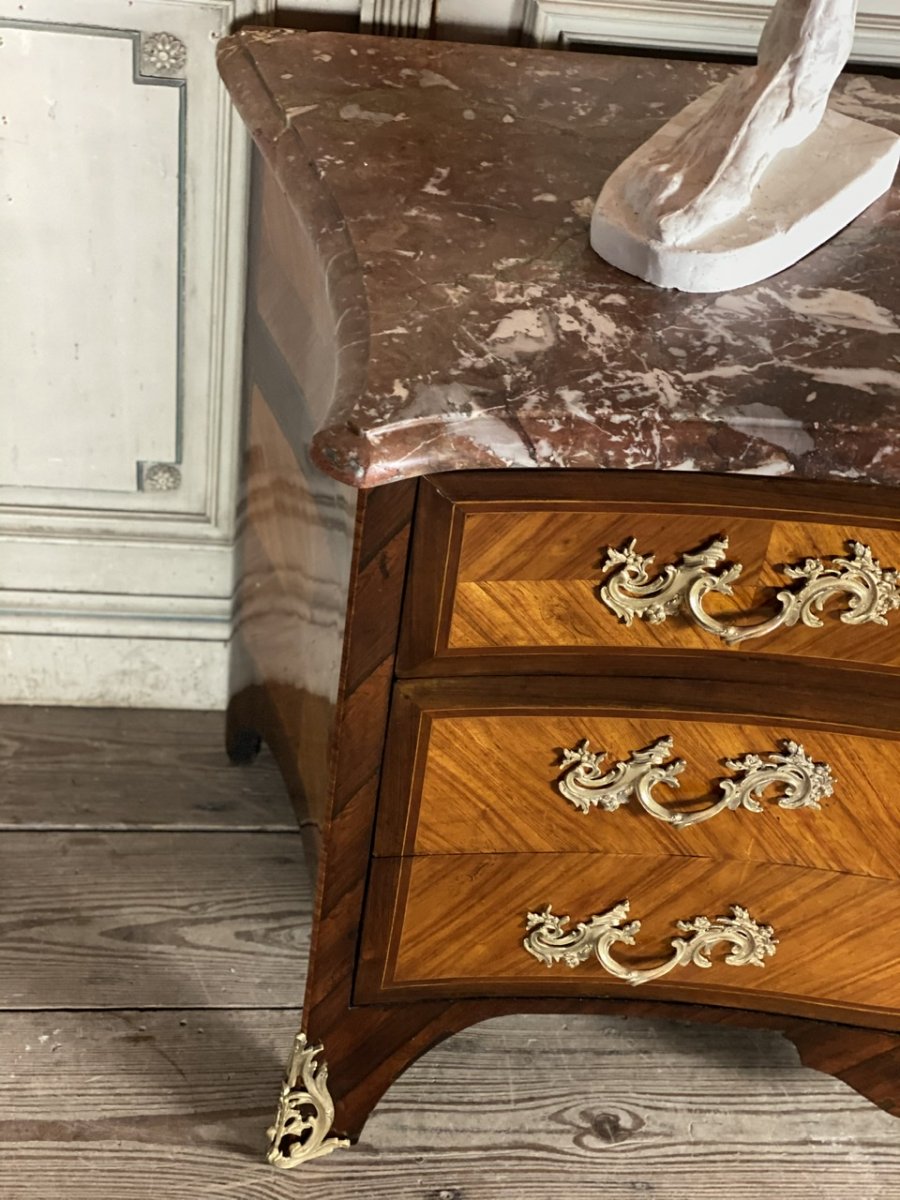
(550, 942)
(630, 592)
(803, 782)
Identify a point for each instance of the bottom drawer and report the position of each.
(454, 925)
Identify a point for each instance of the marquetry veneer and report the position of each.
(455, 925)
(474, 767)
(444, 825)
(474, 833)
(514, 583)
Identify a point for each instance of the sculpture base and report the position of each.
(808, 194)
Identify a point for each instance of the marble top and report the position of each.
(448, 189)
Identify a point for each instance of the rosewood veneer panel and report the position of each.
(458, 921)
(487, 783)
(511, 583)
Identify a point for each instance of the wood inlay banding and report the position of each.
(459, 920)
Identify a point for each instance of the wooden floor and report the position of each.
(154, 920)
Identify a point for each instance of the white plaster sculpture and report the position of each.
(755, 174)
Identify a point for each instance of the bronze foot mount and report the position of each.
(302, 1129)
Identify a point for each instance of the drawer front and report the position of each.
(481, 769)
(570, 580)
(456, 925)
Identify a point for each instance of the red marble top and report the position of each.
(447, 190)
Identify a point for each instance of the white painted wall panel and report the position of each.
(89, 275)
(122, 250)
(482, 20)
(718, 26)
(715, 25)
(177, 413)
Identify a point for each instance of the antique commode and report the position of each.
(539, 771)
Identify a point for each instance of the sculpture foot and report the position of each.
(844, 167)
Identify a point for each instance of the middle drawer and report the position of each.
(641, 767)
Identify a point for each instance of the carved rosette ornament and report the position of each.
(871, 592)
(161, 477)
(163, 55)
(550, 941)
(302, 1129)
(803, 782)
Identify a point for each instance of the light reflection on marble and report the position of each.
(449, 189)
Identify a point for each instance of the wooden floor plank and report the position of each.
(208, 932)
(135, 1106)
(152, 920)
(122, 769)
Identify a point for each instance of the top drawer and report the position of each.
(552, 572)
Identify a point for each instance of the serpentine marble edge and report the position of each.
(457, 318)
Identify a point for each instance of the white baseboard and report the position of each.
(717, 26)
(140, 624)
(111, 672)
(114, 650)
(79, 614)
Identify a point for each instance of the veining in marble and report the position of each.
(834, 306)
(474, 325)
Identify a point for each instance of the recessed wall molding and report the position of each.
(161, 376)
(718, 26)
(396, 18)
(95, 614)
(126, 180)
